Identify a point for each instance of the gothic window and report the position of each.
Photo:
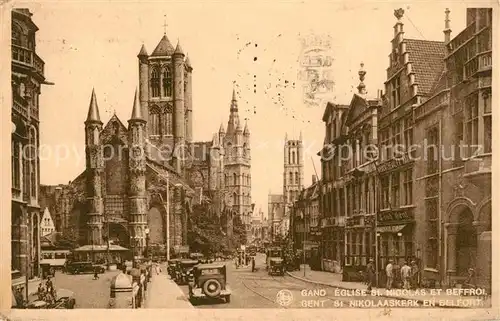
(33, 158)
(487, 123)
(167, 82)
(297, 178)
(395, 189)
(155, 83)
(16, 166)
(432, 150)
(226, 180)
(235, 197)
(408, 186)
(293, 157)
(234, 179)
(290, 179)
(396, 92)
(471, 122)
(185, 81)
(167, 123)
(154, 121)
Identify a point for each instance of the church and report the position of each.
(148, 170)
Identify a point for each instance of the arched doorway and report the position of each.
(466, 242)
(118, 234)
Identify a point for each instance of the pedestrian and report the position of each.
(19, 297)
(406, 275)
(96, 273)
(389, 275)
(370, 273)
(253, 264)
(470, 282)
(48, 283)
(40, 292)
(414, 274)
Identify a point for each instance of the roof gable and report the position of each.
(114, 129)
(427, 60)
(357, 107)
(164, 48)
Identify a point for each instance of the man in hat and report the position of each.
(370, 273)
(389, 275)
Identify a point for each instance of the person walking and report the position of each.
(389, 275)
(414, 274)
(253, 264)
(96, 273)
(406, 275)
(370, 273)
(41, 292)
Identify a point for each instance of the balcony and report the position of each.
(28, 58)
(462, 37)
(485, 61)
(478, 168)
(434, 103)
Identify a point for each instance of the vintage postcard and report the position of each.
(330, 158)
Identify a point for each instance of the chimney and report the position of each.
(314, 179)
(447, 30)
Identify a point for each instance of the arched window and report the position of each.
(289, 196)
(154, 121)
(296, 177)
(167, 126)
(293, 157)
(290, 178)
(167, 82)
(155, 83)
(234, 179)
(235, 198)
(33, 162)
(226, 180)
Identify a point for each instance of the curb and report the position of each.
(344, 288)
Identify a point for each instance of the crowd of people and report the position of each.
(409, 275)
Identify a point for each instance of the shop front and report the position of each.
(332, 244)
(394, 232)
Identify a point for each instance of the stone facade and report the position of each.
(27, 78)
(305, 217)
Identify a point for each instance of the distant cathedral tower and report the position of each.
(293, 172)
(237, 163)
(165, 94)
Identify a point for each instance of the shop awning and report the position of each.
(390, 229)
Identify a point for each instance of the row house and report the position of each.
(332, 193)
(27, 79)
(455, 220)
(305, 219)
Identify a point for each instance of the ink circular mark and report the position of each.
(254, 58)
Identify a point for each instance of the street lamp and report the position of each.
(146, 231)
(377, 261)
(27, 258)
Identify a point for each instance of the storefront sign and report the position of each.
(393, 163)
(395, 216)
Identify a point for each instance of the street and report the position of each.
(260, 290)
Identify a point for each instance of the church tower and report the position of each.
(293, 173)
(137, 175)
(165, 94)
(94, 170)
(237, 162)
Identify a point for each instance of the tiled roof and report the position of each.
(164, 48)
(427, 58)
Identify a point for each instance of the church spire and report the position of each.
(93, 114)
(234, 119)
(246, 131)
(136, 109)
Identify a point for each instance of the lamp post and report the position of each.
(377, 261)
(27, 258)
(399, 245)
(146, 231)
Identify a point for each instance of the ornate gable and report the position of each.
(357, 107)
(114, 132)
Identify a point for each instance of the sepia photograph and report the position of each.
(235, 155)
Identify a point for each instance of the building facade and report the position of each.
(332, 192)
(27, 79)
(305, 218)
(47, 225)
(456, 186)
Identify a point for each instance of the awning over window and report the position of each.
(390, 229)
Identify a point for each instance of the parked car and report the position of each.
(84, 267)
(209, 281)
(276, 266)
(184, 271)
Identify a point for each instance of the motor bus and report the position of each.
(55, 258)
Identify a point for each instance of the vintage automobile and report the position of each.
(84, 267)
(276, 266)
(172, 266)
(273, 252)
(65, 300)
(184, 270)
(210, 281)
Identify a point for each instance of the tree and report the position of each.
(239, 231)
(205, 234)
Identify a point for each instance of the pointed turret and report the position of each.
(93, 114)
(143, 52)
(188, 62)
(234, 95)
(164, 48)
(136, 109)
(178, 49)
(234, 119)
(221, 129)
(246, 131)
(238, 128)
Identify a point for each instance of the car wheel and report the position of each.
(228, 299)
(212, 288)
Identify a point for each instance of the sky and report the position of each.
(89, 45)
